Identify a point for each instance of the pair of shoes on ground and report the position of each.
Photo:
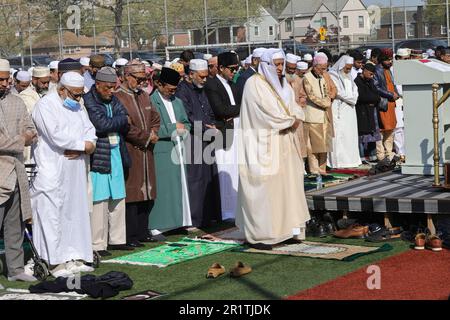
(239, 269)
(135, 244)
(355, 231)
(379, 233)
(70, 268)
(321, 228)
(430, 241)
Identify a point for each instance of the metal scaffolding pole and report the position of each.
(206, 26)
(248, 29)
(448, 23)
(293, 26)
(129, 31)
(30, 40)
(166, 23)
(94, 30)
(392, 27)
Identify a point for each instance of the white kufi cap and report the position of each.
(23, 76)
(53, 65)
(41, 72)
(302, 65)
(292, 58)
(307, 57)
(72, 79)
(85, 61)
(198, 65)
(4, 65)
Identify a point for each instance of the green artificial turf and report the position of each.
(273, 276)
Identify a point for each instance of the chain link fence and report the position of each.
(35, 32)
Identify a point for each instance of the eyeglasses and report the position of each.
(138, 80)
(76, 96)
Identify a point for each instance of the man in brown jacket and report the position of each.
(141, 139)
(16, 131)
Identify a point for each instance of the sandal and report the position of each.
(240, 269)
(215, 270)
(384, 234)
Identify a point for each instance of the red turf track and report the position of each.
(413, 275)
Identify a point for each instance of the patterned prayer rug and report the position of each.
(20, 294)
(175, 252)
(334, 251)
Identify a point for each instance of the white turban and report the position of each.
(72, 79)
(85, 61)
(258, 52)
(23, 76)
(292, 58)
(302, 65)
(269, 71)
(198, 65)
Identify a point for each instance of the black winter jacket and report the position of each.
(98, 114)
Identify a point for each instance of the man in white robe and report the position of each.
(345, 151)
(271, 200)
(61, 230)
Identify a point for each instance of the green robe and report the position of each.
(167, 213)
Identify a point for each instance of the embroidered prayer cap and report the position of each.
(69, 64)
(53, 65)
(178, 67)
(23, 76)
(72, 79)
(227, 59)
(292, 58)
(84, 61)
(4, 65)
(134, 66)
(106, 74)
(198, 65)
(41, 72)
(170, 76)
(97, 61)
(403, 52)
(302, 66)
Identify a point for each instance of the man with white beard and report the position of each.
(61, 230)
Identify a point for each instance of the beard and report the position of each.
(3, 93)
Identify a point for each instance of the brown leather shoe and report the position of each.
(434, 243)
(419, 241)
(354, 231)
(240, 269)
(215, 270)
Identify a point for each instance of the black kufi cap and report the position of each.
(169, 76)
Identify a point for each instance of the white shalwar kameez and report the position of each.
(61, 224)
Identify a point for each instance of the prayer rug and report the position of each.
(333, 180)
(20, 294)
(333, 251)
(175, 252)
(233, 234)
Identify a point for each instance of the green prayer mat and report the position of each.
(334, 251)
(335, 179)
(175, 252)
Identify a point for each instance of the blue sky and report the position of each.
(385, 3)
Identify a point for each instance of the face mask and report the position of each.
(290, 76)
(72, 104)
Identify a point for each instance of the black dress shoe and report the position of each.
(120, 247)
(159, 237)
(260, 246)
(292, 241)
(135, 244)
(148, 239)
(104, 253)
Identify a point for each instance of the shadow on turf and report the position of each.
(243, 280)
